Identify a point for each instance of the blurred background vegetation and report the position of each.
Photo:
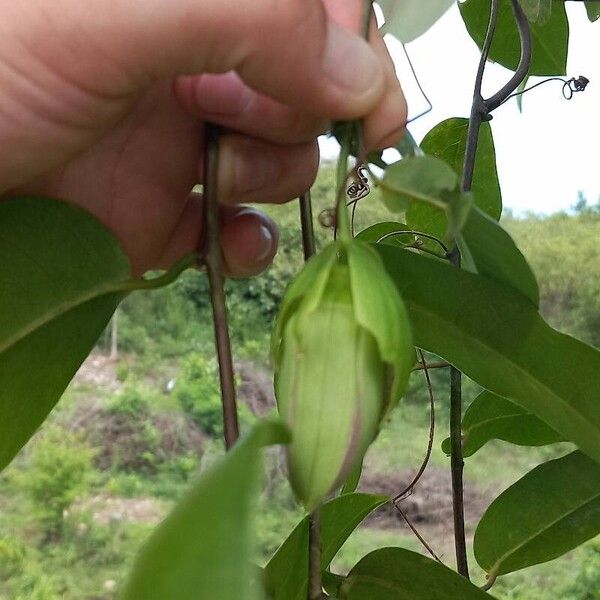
(133, 431)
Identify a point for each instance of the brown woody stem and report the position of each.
(214, 265)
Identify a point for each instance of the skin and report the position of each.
(102, 103)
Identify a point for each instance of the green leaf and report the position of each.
(496, 336)
(62, 277)
(486, 246)
(63, 274)
(448, 142)
(550, 41)
(444, 224)
(427, 219)
(399, 574)
(374, 233)
(491, 417)
(332, 583)
(408, 146)
(286, 575)
(204, 548)
(593, 10)
(422, 178)
(553, 509)
(408, 19)
(353, 480)
(495, 255)
(537, 11)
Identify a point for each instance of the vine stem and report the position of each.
(315, 586)
(214, 266)
(481, 108)
(480, 112)
(306, 224)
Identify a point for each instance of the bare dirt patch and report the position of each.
(99, 371)
(256, 387)
(429, 507)
(136, 442)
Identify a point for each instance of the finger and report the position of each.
(228, 101)
(289, 50)
(385, 125)
(249, 242)
(251, 170)
(248, 238)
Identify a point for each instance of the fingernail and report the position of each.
(256, 238)
(350, 62)
(222, 95)
(266, 243)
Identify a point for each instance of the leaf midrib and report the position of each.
(61, 309)
(114, 287)
(512, 552)
(492, 419)
(517, 367)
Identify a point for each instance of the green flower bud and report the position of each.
(342, 349)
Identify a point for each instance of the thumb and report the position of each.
(287, 49)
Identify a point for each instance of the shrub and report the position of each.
(58, 469)
(586, 584)
(12, 555)
(133, 401)
(134, 433)
(197, 390)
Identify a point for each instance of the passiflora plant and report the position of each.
(444, 278)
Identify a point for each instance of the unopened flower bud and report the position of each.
(342, 348)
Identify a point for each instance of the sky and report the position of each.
(545, 155)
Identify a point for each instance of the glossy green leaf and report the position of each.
(63, 274)
(332, 583)
(550, 40)
(448, 142)
(553, 509)
(496, 337)
(491, 417)
(445, 225)
(408, 146)
(486, 246)
(385, 229)
(353, 480)
(399, 574)
(408, 19)
(286, 575)
(427, 219)
(593, 9)
(537, 11)
(418, 178)
(204, 548)
(427, 189)
(494, 254)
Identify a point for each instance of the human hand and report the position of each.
(102, 104)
